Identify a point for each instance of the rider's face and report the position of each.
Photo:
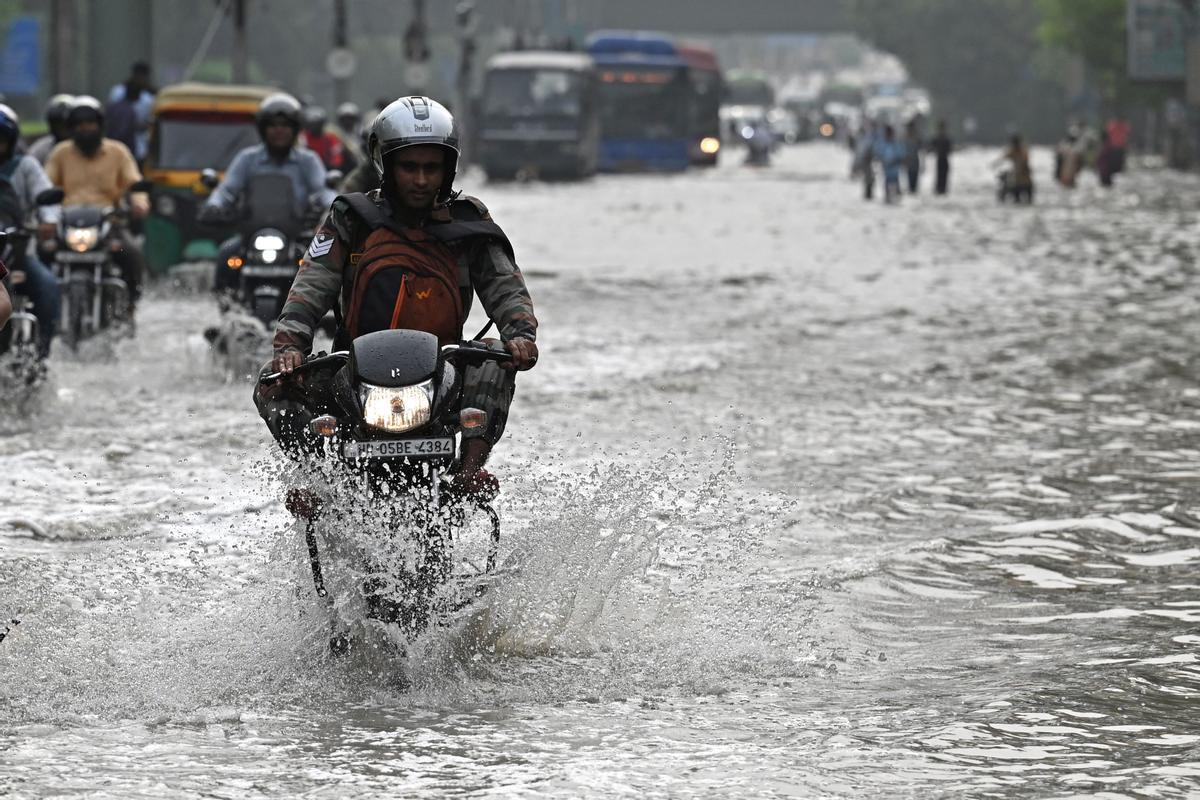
(417, 175)
(85, 127)
(279, 135)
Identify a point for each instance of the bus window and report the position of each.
(525, 93)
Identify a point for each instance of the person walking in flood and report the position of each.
(890, 152)
(864, 159)
(1017, 178)
(912, 155)
(942, 147)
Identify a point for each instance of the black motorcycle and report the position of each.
(95, 297)
(272, 236)
(20, 366)
(393, 424)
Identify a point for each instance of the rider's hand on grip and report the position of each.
(524, 354)
(287, 361)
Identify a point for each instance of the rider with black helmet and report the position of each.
(22, 179)
(97, 171)
(278, 121)
(415, 223)
(56, 120)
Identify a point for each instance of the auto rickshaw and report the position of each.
(194, 126)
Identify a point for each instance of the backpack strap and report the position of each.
(366, 210)
(466, 218)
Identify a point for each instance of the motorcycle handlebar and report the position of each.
(475, 350)
(467, 350)
(307, 364)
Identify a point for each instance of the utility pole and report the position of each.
(62, 23)
(341, 78)
(241, 72)
(416, 51)
(465, 15)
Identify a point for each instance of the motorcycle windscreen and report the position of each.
(395, 358)
(270, 202)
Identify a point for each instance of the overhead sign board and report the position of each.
(21, 58)
(1158, 32)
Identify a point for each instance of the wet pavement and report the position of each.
(815, 498)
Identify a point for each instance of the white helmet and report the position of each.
(413, 121)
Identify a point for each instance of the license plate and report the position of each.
(400, 448)
(82, 258)
(255, 271)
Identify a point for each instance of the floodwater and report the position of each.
(815, 498)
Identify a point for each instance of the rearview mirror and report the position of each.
(50, 197)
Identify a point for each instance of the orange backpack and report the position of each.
(410, 277)
(405, 280)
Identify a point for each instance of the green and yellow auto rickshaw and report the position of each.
(195, 126)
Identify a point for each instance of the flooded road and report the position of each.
(816, 498)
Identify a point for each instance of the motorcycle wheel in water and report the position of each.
(95, 297)
(272, 237)
(394, 432)
(21, 369)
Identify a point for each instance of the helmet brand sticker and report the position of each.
(423, 128)
(321, 245)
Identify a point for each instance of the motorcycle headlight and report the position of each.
(82, 239)
(268, 242)
(397, 410)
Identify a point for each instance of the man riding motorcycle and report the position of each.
(414, 219)
(97, 171)
(325, 143)
(278, 122)
(21, 181)
(56, 121)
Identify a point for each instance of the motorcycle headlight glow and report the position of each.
(268, 242)
(397, 410)
(710, 145)
(82, 239)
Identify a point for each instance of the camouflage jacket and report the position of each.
(486, 268)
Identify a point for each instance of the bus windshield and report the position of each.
(191, 144)
(533, 93)
(644, 103)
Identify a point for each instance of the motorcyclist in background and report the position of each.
(278, 122)
(56, 120)
(348, 127)
(22, 179)
(415, 222)
(96, 171)
(324, 143)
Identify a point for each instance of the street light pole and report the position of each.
(341, 85)
(416, 51)
(465, 14)
(241, 72)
